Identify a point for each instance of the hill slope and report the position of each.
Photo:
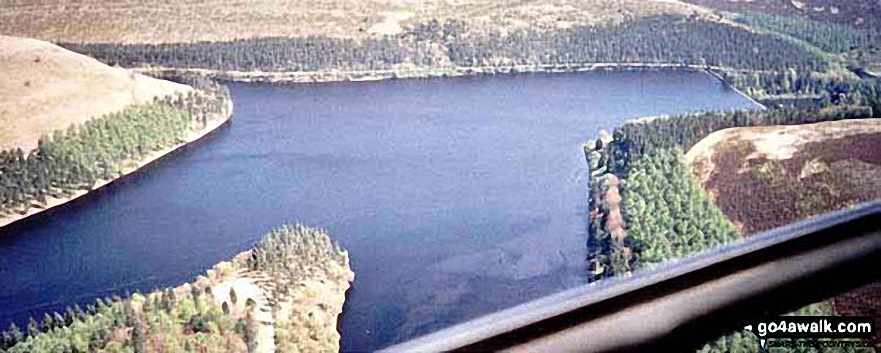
(46, 87)
(158, 21)
(766, 177)
(860, 13)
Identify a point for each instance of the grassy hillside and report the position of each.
(70, 124)
(46, 87)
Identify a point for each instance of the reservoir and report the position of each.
(455, 197)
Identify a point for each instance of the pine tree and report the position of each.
(59, 319)
(250, 333)
(12, 335)
(138, 337)
(48, 323)
(33, 328)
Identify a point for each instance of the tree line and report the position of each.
(831, 37)
(664, 212)
(69, 161)
(669, 39)
(257, 54)
(820, 89)
(684, 131)
(161, 321)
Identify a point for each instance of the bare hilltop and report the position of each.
(46, 87)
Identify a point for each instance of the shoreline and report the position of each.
(353, 76)
(298, 77)
(406, 73)
(190, 137)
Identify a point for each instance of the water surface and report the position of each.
(455, 197)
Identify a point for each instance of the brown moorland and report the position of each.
(162, 21)
(766, 177)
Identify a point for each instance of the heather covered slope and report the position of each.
(46, 88)
(767, 177)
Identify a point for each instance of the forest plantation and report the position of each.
(646, 206)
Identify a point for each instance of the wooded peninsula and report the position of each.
(649, 202)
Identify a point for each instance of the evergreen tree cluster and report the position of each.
(72, 160)
(159, 322)
(668, 39)
(257, 54)
(829, 36)
(757, 84)
(668, 212)
(292, 253)
(822, 89)
(179, 320)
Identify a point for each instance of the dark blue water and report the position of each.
(455, 197)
